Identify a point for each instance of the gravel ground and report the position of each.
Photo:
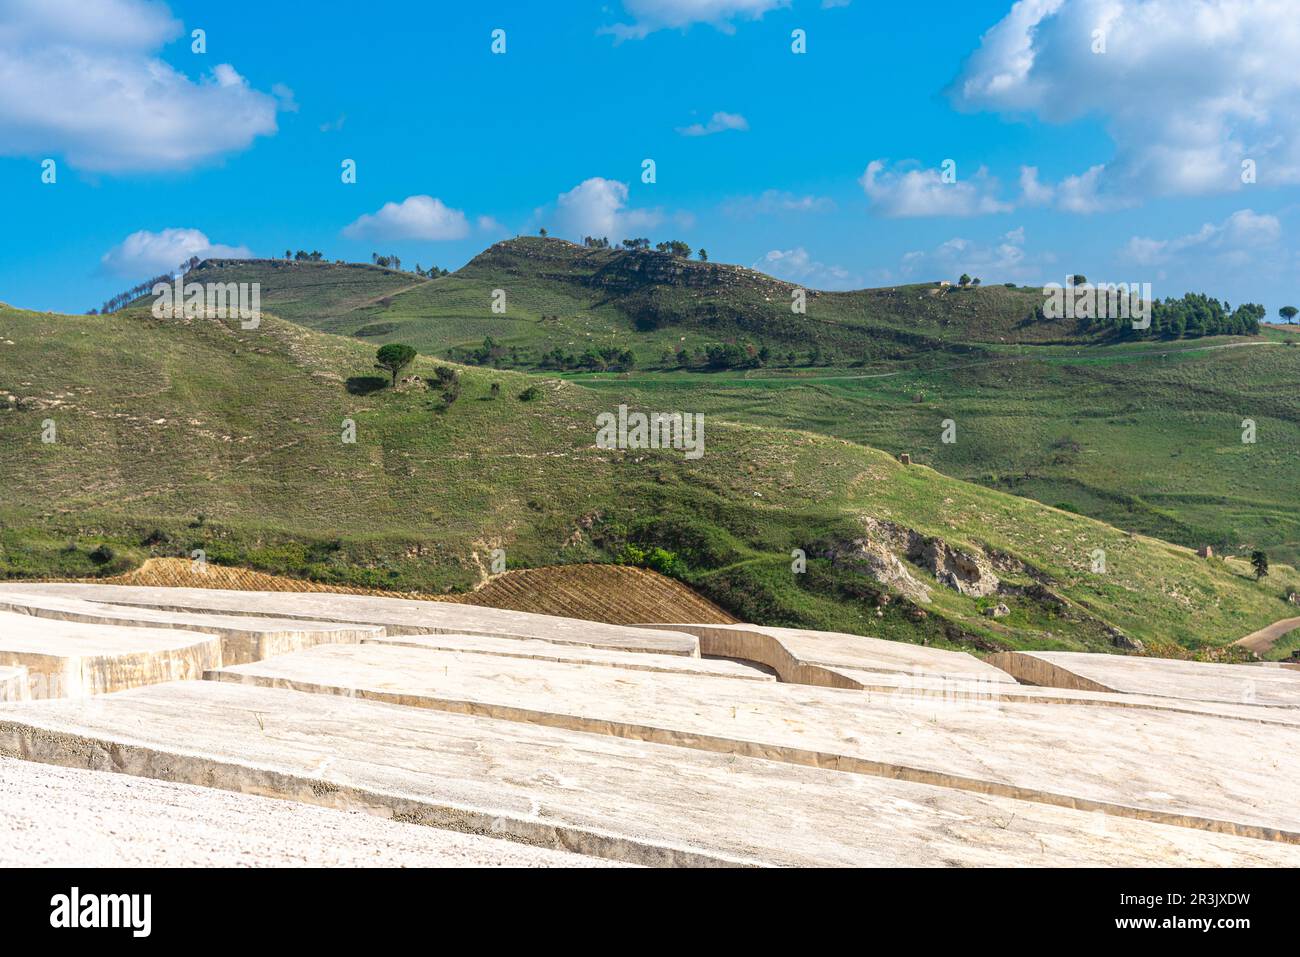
(61, 817)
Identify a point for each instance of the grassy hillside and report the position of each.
(1147, 438)
(1143, 435)
(181, 434)
(310, 293)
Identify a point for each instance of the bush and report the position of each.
(529, 394)
(103, 554)
(659, 559)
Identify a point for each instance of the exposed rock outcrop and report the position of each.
(962, 571)
(967, 573)
(881, 564)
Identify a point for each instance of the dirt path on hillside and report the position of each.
(1264, 639)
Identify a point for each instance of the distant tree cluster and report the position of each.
(395, 262)
(126, 296)
(1194, 315)
(674, 247)
(745, 355)
(591, 242)
(722, 355)
(303, 256)
(593, 359)
(967, 280)
(490, 353)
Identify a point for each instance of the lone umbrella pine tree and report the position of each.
(393, 358)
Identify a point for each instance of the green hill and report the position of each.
(559, 295)
(176, 435)
(310, 293)
(1141, 434)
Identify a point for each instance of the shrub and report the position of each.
(659, 559)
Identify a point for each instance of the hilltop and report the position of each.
(176, 435)
(559, 295)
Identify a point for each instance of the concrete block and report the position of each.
(1161, 677)
(536, 650)
(820, 658)
(243, 637)
(71, 659)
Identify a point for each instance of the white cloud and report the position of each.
(145, 253)
(1033, 192)
(81, 79)
(796, 265)
(284, 94)
(651, 15)
(598, 207)
(1233, 241)
(1003, 260)
(777, 201)
(718, 123)
(1186, 90)
(904, 192)
(416, 217)
(90, 24)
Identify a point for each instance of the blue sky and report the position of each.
(821, 167)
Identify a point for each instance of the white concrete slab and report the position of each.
(243, 637)
(1126, 762)
(64, 817)
(398, 616)
(960, 689)
(820, 658)
(536, 650)
(1161, 677)
(593, 793)
(71, 659)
